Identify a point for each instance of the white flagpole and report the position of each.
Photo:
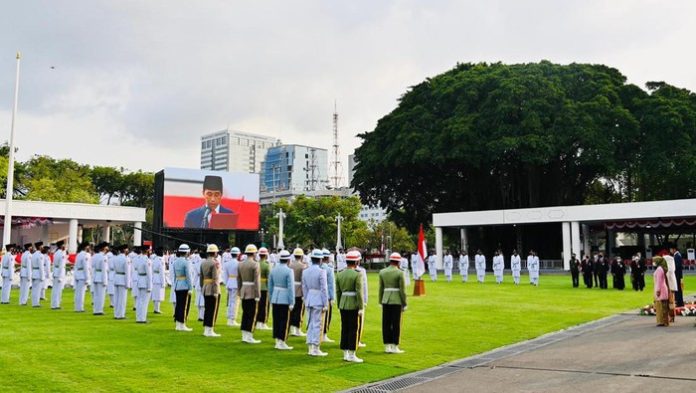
(7, 230)
(339, 218)
(280, 216)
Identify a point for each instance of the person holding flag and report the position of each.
(419, 265)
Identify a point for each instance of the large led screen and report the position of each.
(210, 200)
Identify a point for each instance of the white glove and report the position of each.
(291, 307)
(404, 308)
(361, 312)
(325, 309)
(257, 299)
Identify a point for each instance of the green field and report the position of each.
(64, 351)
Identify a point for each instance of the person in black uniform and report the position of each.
(575, 270)
(602, 271)
(620, 273)
(587, 267)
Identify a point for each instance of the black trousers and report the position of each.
(587, 277)
(296, 314)
(603, 281)
(249, 309)
(350, 326)
(327, 319)
(576, 279)
(679, 295)
(262, 314)
(391, 323)
(596, 279)
(281, 320)
(211, 308)
(183, 303)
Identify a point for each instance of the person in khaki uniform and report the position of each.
(248, 282)
(297, 266)
(393, 299)
(265, 269)
(349, 293)
(209, 274)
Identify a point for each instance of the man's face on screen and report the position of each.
(212, 198)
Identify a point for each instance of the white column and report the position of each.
(80, 232)
(438, 247)
(586, 240)
(137, 234)
(575, 239)
(72, 236)
(45, 234)
(464, 240)
(106, 233)
(566, 246)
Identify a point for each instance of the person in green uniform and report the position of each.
(393, 299)
(265, 268)
(349, 293)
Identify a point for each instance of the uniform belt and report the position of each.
(391, 289)
(181, 277)
(280, 289)
(208, 281)
(247, 283)
(80, 269)
(35, 268)
(120, 273)
(233, 276)
(298, 282)
(156, 271)
(350, 294)
(142, 274)
(264, 279)
(97, 270)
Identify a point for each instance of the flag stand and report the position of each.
(419, 288)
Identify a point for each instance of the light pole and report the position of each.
(263, 232)
(281, 217)
(7, 230)
(339, 218)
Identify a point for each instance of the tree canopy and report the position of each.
(493, 136)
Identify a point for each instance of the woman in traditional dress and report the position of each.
(661, 292)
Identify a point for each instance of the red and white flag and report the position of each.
(422, 253)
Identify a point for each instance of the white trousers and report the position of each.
(80, 295)
(481, 275)
(24, 285)
(314, 325)
(499, 277)
(448, 274)
(120, 298)
(516, 277)
(141, 305)
(36, 289)
(231, 303)
(464, 273)
(98, 298)
(6, 288)
(534, 278)
(433, 272)
(56, 293)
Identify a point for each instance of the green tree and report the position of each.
(43, 178)
(108, 182)
(494, 136)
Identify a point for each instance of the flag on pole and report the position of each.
(422, 253)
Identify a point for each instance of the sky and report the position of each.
(135, 84)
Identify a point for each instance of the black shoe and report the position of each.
(141, 322)
(55, 308)
(157, 312)
(98, 313)
(35, 306)
(133, 308)
(200, 319)
(111, 306)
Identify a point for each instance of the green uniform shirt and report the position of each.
(349, 290)
(391, 286)
(265, 270)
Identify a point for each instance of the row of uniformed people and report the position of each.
(291, 288)
(106, 271)
(480, 266)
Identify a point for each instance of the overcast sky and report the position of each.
(136, 83)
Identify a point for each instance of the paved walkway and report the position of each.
(623, 353)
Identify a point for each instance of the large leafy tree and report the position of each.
(493, 136)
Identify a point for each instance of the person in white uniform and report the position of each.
(230, 271)
(448, 265)
(341, 260)
(464, 266)
(480, 264)
(25, 274)
(48, 277)
(498, 266)
(100, 277)
(143, 270)
(82, 275)
(121, 275)
(7, 272)
(533, 268)
(403, 265)
(196, 261)
(516, 267)
(432, 267)
(316, 301)
(59, 259)
(37, 273)
(158, 280)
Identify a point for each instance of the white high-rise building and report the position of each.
(235, 151)
(295, 168)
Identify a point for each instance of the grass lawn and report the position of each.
(63, 351)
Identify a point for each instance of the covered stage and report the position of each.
(649, 220)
